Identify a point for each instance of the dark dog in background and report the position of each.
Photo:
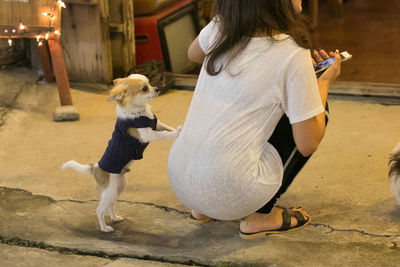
(394, 172)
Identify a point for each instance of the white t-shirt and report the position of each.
(222, 165)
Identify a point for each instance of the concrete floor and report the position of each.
(48, 216)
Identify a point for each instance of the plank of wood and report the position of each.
(46, 62)
(365, 89)
(313, 13)
(86, 43)
(337, 8)
(82, 2)
(57, 59)
(122, 36)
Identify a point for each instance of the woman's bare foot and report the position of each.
(257, 222)
(198, 216)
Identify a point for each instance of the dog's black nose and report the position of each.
(157, 90)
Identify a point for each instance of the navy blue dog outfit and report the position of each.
(122, 148)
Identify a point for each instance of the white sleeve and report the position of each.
(208, 34)
(301, 97)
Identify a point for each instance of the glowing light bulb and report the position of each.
(62, 4)
(13, 30)
(40, 43)
(46, 14)
(6, 31)
(57, 32)
(10, 42)
(21, 26)
(38, 38)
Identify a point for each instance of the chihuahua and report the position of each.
(136, 126)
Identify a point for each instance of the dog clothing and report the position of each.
(122, 148)
(222, 164)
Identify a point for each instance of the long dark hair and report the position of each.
(241, 19)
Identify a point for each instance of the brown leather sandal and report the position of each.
(193, 220)
(287, 214)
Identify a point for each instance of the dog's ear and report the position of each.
(118, 81)
(117, 93)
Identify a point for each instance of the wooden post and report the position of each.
(313, 10)
(337, 8)
(60, 72)
(46, 62)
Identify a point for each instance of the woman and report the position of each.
(257, 114)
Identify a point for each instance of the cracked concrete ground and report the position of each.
(48, 216)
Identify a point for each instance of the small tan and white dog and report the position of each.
(136, 126)
(394, 172)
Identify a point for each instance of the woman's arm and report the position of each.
(195, 53)
(308, 134)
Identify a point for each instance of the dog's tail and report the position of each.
(72, 164)
(394, 172)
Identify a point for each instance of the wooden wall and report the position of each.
(122, 36)
(29, 11)
(86, 43)
(98, 39)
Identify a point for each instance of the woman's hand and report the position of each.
(321, 55)
(333, 71)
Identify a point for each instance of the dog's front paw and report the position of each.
(107, 229)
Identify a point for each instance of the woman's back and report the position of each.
(222, 155)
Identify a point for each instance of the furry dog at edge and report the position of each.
(136, 126)
(394, 172)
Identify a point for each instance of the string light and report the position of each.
(39, 40)
(21, 26)
(62, 4)
(46, 14)
(39, 37)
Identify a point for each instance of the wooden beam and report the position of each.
(129, 35)
(30, 32)
(104, 21)
(46, 62)
(82, 2)
(60, 72)
(313, 6)
(337, 8)
(116, 27)
(85, 40)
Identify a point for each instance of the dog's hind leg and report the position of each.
(108, 197)
(121, 186)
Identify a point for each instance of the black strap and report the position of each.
(287, 215)
(299, 217)
(286, 220)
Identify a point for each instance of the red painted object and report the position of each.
(151, 42)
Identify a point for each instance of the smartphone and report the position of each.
(324, 65)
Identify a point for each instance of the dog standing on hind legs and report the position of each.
(394, 172)
(136, 126)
